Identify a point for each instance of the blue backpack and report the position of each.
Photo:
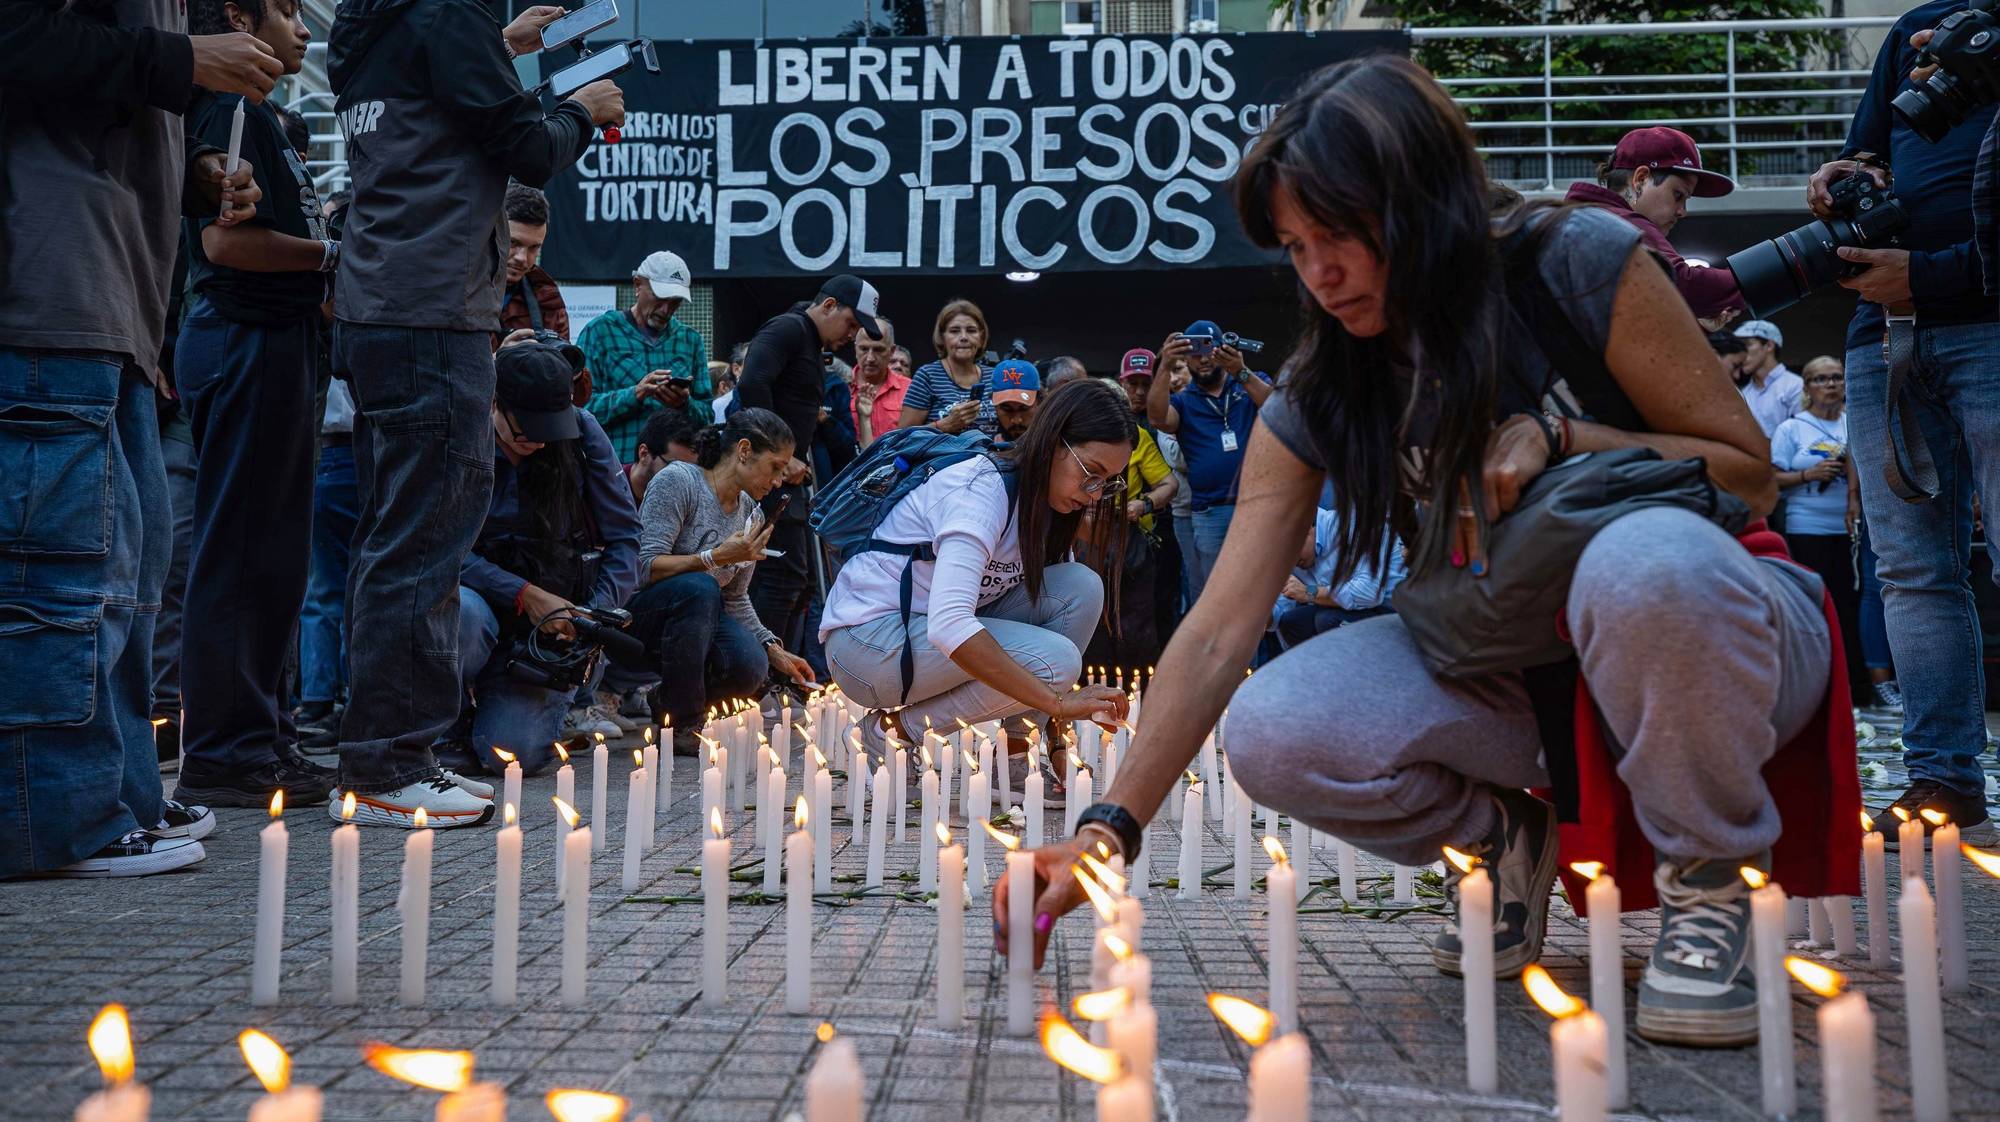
(847, 511)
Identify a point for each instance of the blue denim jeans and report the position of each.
(705, 658)
(84, 547)
(1190, 560)
(177, 449)
(1874, 623)
(520, 716)
(322, 657)
(1924, 552)
(1210, 527)
(423, 464)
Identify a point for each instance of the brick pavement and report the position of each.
(1383, 1024)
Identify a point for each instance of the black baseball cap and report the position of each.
(861, 296)
(532, 382)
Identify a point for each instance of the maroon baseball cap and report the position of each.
(1137, 363)
(1663, 149)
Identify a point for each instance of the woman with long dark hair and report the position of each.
(998, 621)
(1419, 393)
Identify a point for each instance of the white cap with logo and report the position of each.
(1761, 329)
(666, 273)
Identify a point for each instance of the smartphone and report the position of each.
(677, 380)
(577, 75)
(575, 25)
(1200, 346)
(774, 553)
(782, 504)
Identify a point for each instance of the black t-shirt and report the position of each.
(783, 372)
(289, 206)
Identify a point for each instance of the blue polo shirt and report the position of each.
(1212, 467)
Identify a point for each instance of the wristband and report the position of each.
(1119, 821)
(708, 559)
(329, 258)
(1550, 433)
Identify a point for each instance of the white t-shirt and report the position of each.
(965, 514)
(1782, 396)
(1799, 443)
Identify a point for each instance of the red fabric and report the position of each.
(1813, 778)
(1708, 291)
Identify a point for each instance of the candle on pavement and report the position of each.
(1191, 828)
(714, 914)
(1020, 941)
(636, 817)
(1578, 1040)
(927, 864)
(1031, 799)
(798, 912)
(576, 905)
(899, 795)
(122, 1100)
(649, 760)
(1909, 843)
(282, 1102)
(1946, 867)
(1281, 904)
(977, 804)
(951, 931)
(506, 907)
(1350, 877)
(1475, 964)
(1243, 874)
(1846, 1044)
(566, 792)
(1774, 998)
(274, 847)
(665, 803)
(878, 827)
(1930, 1099)
(1605, 905)
(1280, 1069)
(510, 777)
(1875, 892)
(834, 1085)
(600, 793)
(1120, 1098)
(773, 842)
(822, 805)
(346, 905)
(414, 901)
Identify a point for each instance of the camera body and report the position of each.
(1965, 48)
(1202, 346)
(1247, 346)
(1778, 273)
(563, 664)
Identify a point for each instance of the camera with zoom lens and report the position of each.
(1965, 48)
(1778, 273)
(552, 662)
(1247, 346)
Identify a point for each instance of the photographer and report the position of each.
(561, 531)
(1212, 419)
(1954, 342)
(1647, 181)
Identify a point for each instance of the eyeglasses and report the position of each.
(514, 432)
(1093, 482)
(1825, 380)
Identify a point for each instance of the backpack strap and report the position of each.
(911, 552)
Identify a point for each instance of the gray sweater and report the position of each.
(682, 516)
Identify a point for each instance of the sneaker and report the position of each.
(302, 787)
(456, 754)
(1969, 811)
(1520, 856)
(178, 820)
(1700, 988)
(167, 740)
(1885, 697)
(607, 706)
(1055, 792)
(315, 719)
(291, 755)
(687, 743)
(320, 736)
(632, 703)
(137, 854)
(583, 722)
(446, 804)
(878, 727)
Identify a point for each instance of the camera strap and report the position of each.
(1908, 468)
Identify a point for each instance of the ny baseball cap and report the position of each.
(1761, 329)
(859, 295)
(532, 383)
(1204, 327)
(1663, 149)
(1137, 363)
(1014, 381)
(667, 273)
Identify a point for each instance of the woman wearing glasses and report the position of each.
(998, 622)
(1822, 512)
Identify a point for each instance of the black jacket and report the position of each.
(436, 122)
(783, 372)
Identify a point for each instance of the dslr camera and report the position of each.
(1778, 273)
(1965, 48)
(1201, 346)
(555, 663)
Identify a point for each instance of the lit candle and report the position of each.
(857, 788)
(977, 804)
(1020, 942)
(1875, 889)
(506, 907)
(1910, 843)
(565, 791)
(822, 825)
(927, 864)
(765, 809)
(1846, 1044)
(834, 1085)
(986, 769)
(450, 1072)
(946, 766)
(899, 788)
(711, 784)
(1120, 1098)
(1946, 865)
(1243, 873)
(1475, 965)
(1280, 1070)
(666, 775)
(1031, 800)
(798, 913)
(1350, 877)
(1208, 771)
(1191, 828)
(1605, 905)
(650, 761)
(510, 777)
(1578, 1039)
(281, 1102)
(774, 798)
(1135, 1028)
(122, 1100)
(1774, 998)
(414, 901)
(274, 846)
(878, 826)
(576, 905)
(587, 1106)
(1930, 1100)
(715, 914)
(346, 905)
(1281, 903)
(600, 793)
(636, 785)
(951, 931)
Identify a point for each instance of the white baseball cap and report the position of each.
(667, 273)
(1761, 329)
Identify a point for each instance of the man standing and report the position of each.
(1772, 392)
(1212, 418)
(878, 390)
(1647, 182)
(533, 299)
(642, 360)
(436, 122)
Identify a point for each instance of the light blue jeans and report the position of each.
(519, 716)
(1924, 552)
(85, 538)
(1047, 636)
(1210, 527)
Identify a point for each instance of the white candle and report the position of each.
(235, 160)
(506, 907)
(1031, 804)
(665, 778)
(951, 933)
(822, 805)
(834, 1085)
(600, 793)
(1774, 998)
(566, 791)
(1281, 1081)
(346, 907)
(650, 761)
(857, 786)
(1930, 1100)
(927, 865)
(126, 1102)
(293, 1104)
(1406, 885)
(1910, 843)
(274, 848)
(899, 791)
(878, 827)
(1282, 903)
(1208, 772)
(636, 817)
(1475, 963)
(976, 798)
(1819, 925)
(1875, 888)
(1137, 883)
(947, 764)
(576, 913)
(1125, 1099)
(1243, 874)
(481, 1102)
(774, 799)
(1579, 1043)
(1946, 865)
(798, 913)
(510, 778)
(1020, 942)
(1606, 906)
(1191, 828)
(711, 787)
(715, 915)
(415, 903)
(1847, 1058)
(1350, 876)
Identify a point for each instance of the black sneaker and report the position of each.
(1520, 856)
(292, 755)
(137, 854)
(302, 787)
(167, 740)
(1700, 988)
(1884, 697)
(178, 820)
(1969, 811)
(457, 755)
(316, 721)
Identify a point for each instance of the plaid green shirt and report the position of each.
(619, 357)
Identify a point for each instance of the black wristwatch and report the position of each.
(1119, 821)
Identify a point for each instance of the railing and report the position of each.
(1544, 150)
(327, 162)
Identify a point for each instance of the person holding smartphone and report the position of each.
(643, 359)
(1212, 418)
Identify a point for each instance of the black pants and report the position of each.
(781, 588)
(1832, 557)
(1137, 643)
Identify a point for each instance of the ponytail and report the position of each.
(765, 431)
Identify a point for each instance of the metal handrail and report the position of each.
(1685, 27)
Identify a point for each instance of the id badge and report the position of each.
(1229, 440)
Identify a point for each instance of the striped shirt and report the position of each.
(933, 391)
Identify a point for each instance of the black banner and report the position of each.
(912, 156)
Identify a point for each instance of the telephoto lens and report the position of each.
(1776, 274)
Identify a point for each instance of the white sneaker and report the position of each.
(445, 805)
(607, 707)
(472, 787)
(634, 705)
(137, 854)
(584, 721)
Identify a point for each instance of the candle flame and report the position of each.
(1988, 863)
(585, 1106)
(1462, 861)
(1935, 817)
(1867, 823)
(1102, 1005)
(158, 721)
(1588, 870)
(971, 761)
(278, 803)
(819, 759)
(599, 736)
(567, 811)
(1099, 898)
(649, 734)
(799, 815)
(1006, 839)
(1105, 874)
(1817, 977)
(715, 820)
(429, 1068)
(1276, 849)
(1116, 944)
(421, 819)
(1250, 1021)
(1754, 877)
(943, 832)
(1191, 777)
(562, 752)
(347, 807)
(824, 1032)
(1068, 1047)
(924, 754)
(267, 1060)
(1551, 997)
(1899, 812)
(508, 814)
(111, 1042)
(638, 757)
(505, 756)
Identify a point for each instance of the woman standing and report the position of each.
(1809, 449)
(950, 393)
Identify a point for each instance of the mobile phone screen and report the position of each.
(603, 64)
(577, 24)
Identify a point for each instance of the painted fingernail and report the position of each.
(1479, 568)
(1458, 559)
(1043, 922)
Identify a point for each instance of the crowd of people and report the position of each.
(521, 533)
